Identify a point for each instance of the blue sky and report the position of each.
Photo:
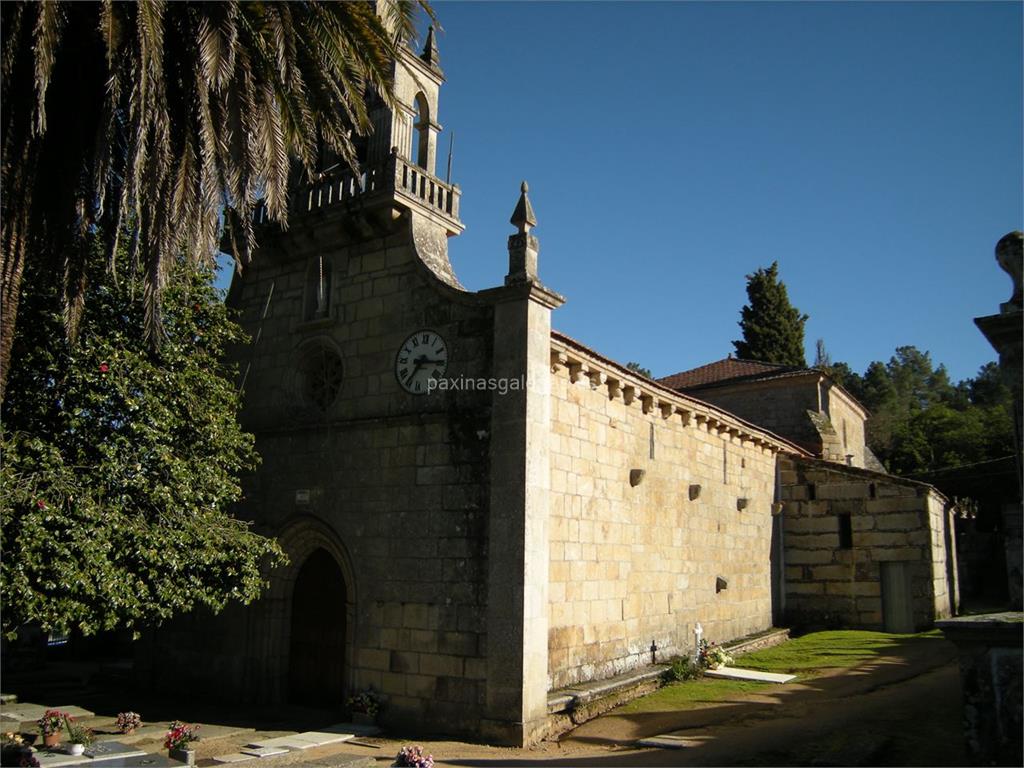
(672, 148)
(873, 149)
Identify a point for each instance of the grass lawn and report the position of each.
(822, 650)
(804, 656)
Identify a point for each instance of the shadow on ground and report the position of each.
(902, 708)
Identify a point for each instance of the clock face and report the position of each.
(422, 357)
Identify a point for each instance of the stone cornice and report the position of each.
(528, 289)
(410, 59)
(580, 362)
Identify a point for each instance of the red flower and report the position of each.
(41, 504)
(104, 367)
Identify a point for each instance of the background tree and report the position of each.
(773, 330)
(822, 359)
(165, 113)
(920, 421)
(119, 462)
(637, 368)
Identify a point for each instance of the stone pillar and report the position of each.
(516, 710)
(990, 681)
(1004, 332)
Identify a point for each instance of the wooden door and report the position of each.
(897, 604)
(316, 659)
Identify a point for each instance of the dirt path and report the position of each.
(895, 710)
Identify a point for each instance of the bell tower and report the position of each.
(412, 127)
(398, 163)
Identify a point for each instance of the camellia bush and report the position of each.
(120, 460)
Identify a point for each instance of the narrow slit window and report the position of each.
(845, 532)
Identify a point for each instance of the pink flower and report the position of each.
(104, 367)
(41, 504)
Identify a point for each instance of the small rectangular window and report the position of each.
(845, 532)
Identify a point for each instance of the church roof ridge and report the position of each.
(730, 369)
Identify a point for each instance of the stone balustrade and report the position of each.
(396, 176)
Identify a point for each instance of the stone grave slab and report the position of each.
(342, 761)
(141, 734)
(288, 742)
(208, 732)
(234, 757)
(320, 738)
(732, 673)
(103, 750)
(22, 713)
(72, 711)
(352, 729)
(58, 759)
(263, 751)
(149, 760)
(664, 741)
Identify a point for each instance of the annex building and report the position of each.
(480, 511)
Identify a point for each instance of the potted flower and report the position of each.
(413, 757)
(127, 722)
(179, 740)
(364, 707)
(79, 737)
(50, 726)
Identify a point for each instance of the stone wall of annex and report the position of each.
(890, 562)
(847, 419)
(646, 494)
(778, 405)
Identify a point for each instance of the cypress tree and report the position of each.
(773, 329)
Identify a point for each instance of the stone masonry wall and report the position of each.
(779, 405)
(891, 520)
(396, 485)
(848, 421)
(634, 560)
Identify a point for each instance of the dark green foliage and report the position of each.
(773, 329)
(822, 359)
(682, 668)
(920, 421)
(637, 368)
(163, 113)
(119, 463)
(847, 378)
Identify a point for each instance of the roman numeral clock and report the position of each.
(422, 356)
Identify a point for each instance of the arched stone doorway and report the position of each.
(318, 585)
(317, 646)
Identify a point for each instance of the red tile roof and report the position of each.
(728, 370)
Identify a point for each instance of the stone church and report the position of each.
(480, 511)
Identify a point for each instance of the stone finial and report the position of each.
(1011, 259)
(522, 246)
(522, 217)
(430, 54)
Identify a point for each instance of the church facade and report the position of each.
(477, 510)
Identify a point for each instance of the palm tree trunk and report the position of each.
(10, 291)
